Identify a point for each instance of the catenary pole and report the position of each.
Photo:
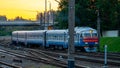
(98, 29)
(71, 20)
(49, 14)
(45, 15)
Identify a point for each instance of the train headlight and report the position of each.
(96, 42)
(86, 42)
(91, 31)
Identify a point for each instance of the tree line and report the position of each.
(86, 15)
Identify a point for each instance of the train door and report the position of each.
(44, 39)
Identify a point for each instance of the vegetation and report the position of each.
(86, 14)
(113, 44)
(7, 30)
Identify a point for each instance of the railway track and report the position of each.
(48, 57)
(85, 57)
(44, 59)
(110, 56)
(53, 59)
(8, 65)
(34, 58)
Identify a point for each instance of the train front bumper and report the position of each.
(90, 49)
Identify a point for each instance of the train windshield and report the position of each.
(94, 34)
(90, 35)
(87, 35)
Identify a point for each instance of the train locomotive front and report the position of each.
(88, 39)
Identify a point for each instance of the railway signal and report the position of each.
(105, 56)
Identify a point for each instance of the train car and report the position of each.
(18, 36)
(57, 39)
(28, 37)
(85, 38)
(36, 37)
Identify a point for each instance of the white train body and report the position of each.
(85, 38)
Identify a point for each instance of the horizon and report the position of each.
(26, 9)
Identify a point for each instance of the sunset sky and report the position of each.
(24, 8)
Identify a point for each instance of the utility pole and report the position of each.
(53, 18)
(49, 13)
(71, 20)
(98, 29)
(45, 27)
(40, 17)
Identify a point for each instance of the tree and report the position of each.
(86, 13)
(118, 16)
(63, 14)
(20, 19)
(108, 10)
(82, 16)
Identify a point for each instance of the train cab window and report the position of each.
(87, 35)
(56, 37)
(80, 35)
(94, 34)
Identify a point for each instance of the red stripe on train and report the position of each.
(90, 39)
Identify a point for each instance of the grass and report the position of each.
(113, 44)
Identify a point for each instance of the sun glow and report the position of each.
(24, 8)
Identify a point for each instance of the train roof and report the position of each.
(84, 29)
(57, 31)
(30, 31)
(77, 30)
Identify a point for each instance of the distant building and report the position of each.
(110, 33)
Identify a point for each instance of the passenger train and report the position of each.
(85, 38)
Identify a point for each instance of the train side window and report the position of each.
(55, 37)
(40, 36)
(49, 37)
(60, 37)
(52, 37)
(75, 37)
